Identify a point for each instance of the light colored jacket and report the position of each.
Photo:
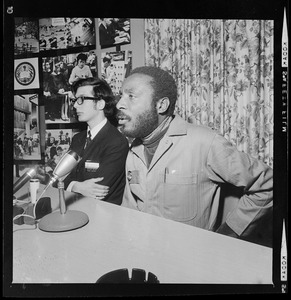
(183, 182)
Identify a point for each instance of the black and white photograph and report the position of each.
(114, 31)
(26, 36)
(26, 140)
(115, 66)
(57, 143)
(64, 33)
(59, 73)
(158, 146)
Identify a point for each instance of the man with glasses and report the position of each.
(100, 174)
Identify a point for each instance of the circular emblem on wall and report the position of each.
(25, 73)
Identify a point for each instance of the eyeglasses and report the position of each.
(81, 99)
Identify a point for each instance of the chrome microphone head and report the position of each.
(67, 163)
(24, 179)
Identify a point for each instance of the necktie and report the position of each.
(88, 139)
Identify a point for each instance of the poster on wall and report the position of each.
(25, 36)
(59, 73)
(63, 33)
(26, 74)
(115, 66)
(114, 31)
(26, 144)
(57, 143)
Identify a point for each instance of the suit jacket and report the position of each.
(104, 157)
(107, 35)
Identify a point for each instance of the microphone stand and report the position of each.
(65, 220)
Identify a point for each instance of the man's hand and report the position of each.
(90, 188)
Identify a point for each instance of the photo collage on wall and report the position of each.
(46, 54)
(59, 72)
(115, 66)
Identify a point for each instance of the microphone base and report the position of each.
(57, 222)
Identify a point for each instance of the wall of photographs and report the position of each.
(46, 56)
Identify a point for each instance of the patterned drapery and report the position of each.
(224, 74)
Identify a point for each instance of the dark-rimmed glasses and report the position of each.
(81, 99)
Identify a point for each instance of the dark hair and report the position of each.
(163, 84)
(101, 90)
(106, 59)
(81, 56)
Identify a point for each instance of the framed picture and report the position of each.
(115, 66)
(57, 143)
(64, 33)
(26, 144)
(114, 31)
(25, 36)
(59, 73)
(26, 74)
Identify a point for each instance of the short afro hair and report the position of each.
(163, 84)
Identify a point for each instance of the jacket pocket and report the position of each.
(179, 197)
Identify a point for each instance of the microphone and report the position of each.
(65, 220)
(67, 163)
(23, 180)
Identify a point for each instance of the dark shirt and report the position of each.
(57, 82)
(107, 35)
(42, 43)
(53, 42)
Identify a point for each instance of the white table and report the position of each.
(117, 237)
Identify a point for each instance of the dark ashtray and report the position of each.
(43, 207)
(122, 276)
(18, 211)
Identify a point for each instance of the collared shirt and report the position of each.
(94, 131)
(97, 128)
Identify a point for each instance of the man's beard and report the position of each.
(144, 124)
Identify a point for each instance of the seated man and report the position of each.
(101, 171)
(176, 170)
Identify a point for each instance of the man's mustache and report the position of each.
(122, 115)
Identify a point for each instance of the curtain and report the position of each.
(224, 74)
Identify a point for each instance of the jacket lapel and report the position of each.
(97, 140)
(164, 145)
(177, 127)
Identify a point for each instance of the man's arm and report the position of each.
(111, 169)
(226, 164)
(72, 76)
